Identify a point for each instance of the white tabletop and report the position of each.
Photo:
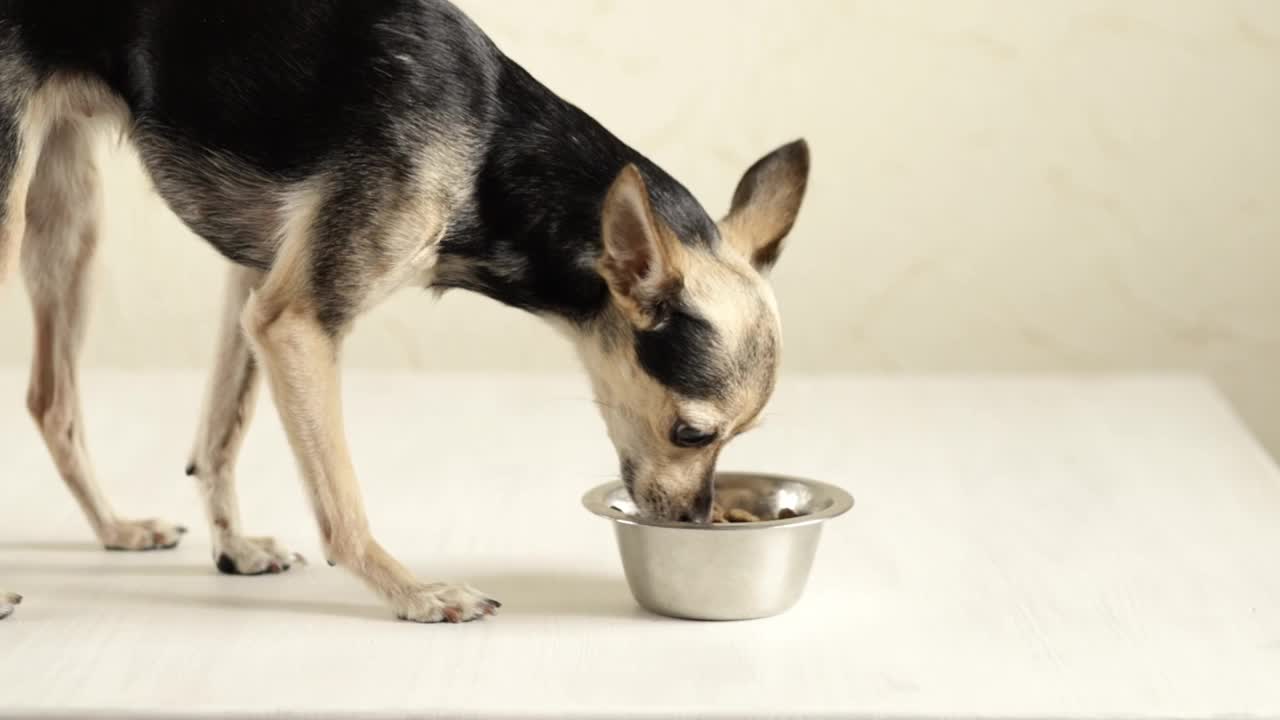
(1033, 548)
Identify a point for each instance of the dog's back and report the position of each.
(237, 108)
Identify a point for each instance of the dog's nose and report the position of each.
(698, 512)
(702, 503)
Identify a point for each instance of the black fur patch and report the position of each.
(226, 565)
(8, 155)
(682, 353)
(533, 233)
(629, 474)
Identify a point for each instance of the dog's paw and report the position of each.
(238, 555)
(8, 603)
(440, 602)
(141, 535)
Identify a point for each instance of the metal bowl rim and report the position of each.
(594, 501)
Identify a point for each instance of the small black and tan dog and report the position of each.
(336, 151)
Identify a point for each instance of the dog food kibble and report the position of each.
(720, 516)
(738, 515)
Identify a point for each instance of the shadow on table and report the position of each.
(50, 546)
(554, 594)
(102, 569)
(529, 592)
(95, 560)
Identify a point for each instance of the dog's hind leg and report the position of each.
(229, 402)
(62, 212)
(16, 165)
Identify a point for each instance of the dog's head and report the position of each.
(687, 354)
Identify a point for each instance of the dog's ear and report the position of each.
(766, 203)
(640, 254)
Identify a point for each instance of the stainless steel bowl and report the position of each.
(723, 572)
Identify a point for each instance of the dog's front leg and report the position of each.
(228, 406)
(300, 358)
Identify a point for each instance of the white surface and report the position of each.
(1064, 185)
(1020, 548)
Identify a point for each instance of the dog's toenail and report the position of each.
(285, 567)
(332, 563)
(17, 599)
(226, 565)
(191, 469)
(182, 529)
(493, 602)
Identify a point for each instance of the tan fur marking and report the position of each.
(13, 226)
(412, 229)
(62, 98)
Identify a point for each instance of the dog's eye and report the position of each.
(688, 436)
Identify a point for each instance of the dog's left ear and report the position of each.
(640, 258)
(766, 203)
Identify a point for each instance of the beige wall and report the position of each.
(1050, 185)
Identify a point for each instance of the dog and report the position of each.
(335, 151)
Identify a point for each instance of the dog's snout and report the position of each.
(668, 498)
(702, 502)
(698, 510)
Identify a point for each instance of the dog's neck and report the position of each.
(531, 236)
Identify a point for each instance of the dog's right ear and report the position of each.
(640, 254)
(766, 203)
